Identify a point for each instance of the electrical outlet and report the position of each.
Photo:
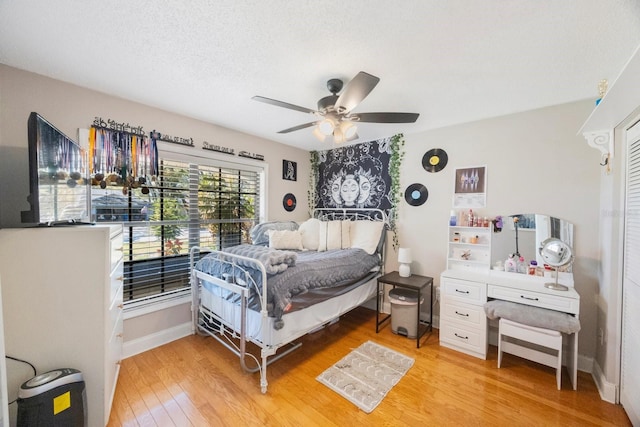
(601, 336)
(437, 293)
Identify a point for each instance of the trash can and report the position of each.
(55, 398)
(404, 311)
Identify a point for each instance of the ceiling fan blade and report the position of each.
(356, 90)
(387, 117)
(295, 128)
(283, 104)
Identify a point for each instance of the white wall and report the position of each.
(536, 163)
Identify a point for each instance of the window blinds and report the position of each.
(187, 204)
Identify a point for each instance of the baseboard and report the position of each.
(585, 364)
(608, 391)
(142, 344)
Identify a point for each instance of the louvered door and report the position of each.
(630, 372)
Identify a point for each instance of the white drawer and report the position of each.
(114, 313)
(537, 299)
(112, 366)
(116, 247)
(460, 338)
(116, 280)
(472, 315)
(465, 291)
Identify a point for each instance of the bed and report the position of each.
(314, 273)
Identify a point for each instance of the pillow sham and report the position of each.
(310, 230)
(285, 239)
(259, 233)
(366, 235)
(334, 235)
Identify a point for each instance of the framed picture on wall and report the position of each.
(289, 170)
(470, 190)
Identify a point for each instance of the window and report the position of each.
(187, 204)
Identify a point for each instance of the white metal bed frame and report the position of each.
(228, 324)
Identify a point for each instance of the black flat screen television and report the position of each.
(59, 191)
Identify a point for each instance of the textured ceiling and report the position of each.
(451, 61)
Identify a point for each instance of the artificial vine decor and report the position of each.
(397, 155)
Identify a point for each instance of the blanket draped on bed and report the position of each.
(311, 270)
(274, 260)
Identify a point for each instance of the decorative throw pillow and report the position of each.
(259, 233)
(285, 239)
(334, 235)
(366, 235)
(310, 230)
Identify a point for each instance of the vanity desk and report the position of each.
(464, 325)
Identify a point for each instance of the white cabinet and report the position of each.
(463, 324)
(469, 248)
(62, 301)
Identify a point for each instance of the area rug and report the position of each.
(365, 376)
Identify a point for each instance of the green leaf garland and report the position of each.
(397, 155)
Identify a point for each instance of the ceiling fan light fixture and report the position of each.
(349, 130)
(338, 136)
(316, 132)
(326, 127)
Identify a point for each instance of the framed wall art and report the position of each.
(470, 190)
(289, 170)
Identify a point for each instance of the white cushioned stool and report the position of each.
(543, 337)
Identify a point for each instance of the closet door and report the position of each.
(630, 363)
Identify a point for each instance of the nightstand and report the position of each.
(414, 282)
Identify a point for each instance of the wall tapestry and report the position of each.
(356, 176)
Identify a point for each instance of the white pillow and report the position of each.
(310, 230)
(366, 235)
(285, 239)
(334, 235)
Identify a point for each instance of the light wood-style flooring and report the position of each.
(196, 381)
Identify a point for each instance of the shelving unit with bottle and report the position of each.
(469, 245)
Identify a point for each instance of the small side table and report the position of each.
(414, 282)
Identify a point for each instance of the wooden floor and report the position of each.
(196, 381)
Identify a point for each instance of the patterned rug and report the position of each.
(365, 376)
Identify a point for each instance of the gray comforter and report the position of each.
(311, 270)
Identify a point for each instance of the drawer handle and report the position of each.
(120, 278)
(529, 298)
(460, 336)
(119, 335)
(120, 306)
(462, 292)
(120, 249)
(462, 314)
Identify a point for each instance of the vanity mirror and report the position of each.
(524, 234)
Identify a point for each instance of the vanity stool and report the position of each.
(543, 337)
(523, 326)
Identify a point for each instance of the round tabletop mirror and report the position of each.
(555, 253)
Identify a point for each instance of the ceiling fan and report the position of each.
(335, 116)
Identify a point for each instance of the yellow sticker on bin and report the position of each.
(62, 402)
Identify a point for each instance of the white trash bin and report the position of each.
(404, 311)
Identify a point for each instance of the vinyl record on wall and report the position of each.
(435, 160)
(416, 194)
(289, 202)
